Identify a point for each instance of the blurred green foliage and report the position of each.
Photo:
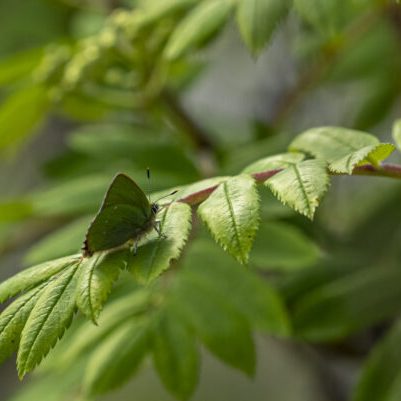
(113, 81)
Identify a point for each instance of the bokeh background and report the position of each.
(62, 139)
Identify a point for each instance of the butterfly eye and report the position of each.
(155, 208)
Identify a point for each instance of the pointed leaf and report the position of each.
(222, 328)
(381, 375)
(13, 319)
(397, 133)
(231, 213)
(116, 359)
(200, 24)
(48, 320)
(283, 160)
(96, 278)
(155, 256)
(301, 186)
(257, 20)
(175, 355)
(28, 278)
(342, 148)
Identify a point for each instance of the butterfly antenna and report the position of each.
(165, 196)
(149, 186)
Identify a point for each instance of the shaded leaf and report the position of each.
(48, 320)
(342, 148)
(222, 328)
(231, 213)
(156, 255)
(96, 278)
(246, 292)
(283, 160)
(116, 359)
(257, 20)
(346, 304)
(301, 186)
(175, 354)
(381, 375)
(28, 278)
(197, 26)
(282, 246)
(13, 319)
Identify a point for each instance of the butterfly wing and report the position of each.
(124, 214)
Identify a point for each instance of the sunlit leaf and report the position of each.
(232, 214)
(32, 276)
(96, 278)
(283, 160)
(301, 186)
(156, 255)
(48, 320)
(397, 133)
(342, 148)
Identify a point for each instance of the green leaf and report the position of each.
(33, 276)
(301, 186)
(231, 213)
(283, 160)
(18, 66)
(114, 314)
(48, 320)
(96, 278)
(202, 22)
(58, 243)
(155, 256)
(284, 247)
(352, 302)
(222, 328)
(342, 148)
(175, 354)
(397, 133)
(117, 358)
(257, 20)
(381, 375)
(254, 298)
(14, 210)
(31, 103)
(13, 319)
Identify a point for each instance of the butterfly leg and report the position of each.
(157, 227)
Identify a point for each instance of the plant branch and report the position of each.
(191, 128)
(384, 170)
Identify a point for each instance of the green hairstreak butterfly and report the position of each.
(125, 214)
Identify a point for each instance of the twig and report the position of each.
(384, 170)
(192, 129)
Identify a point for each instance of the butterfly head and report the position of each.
(155, 208)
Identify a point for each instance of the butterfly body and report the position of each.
(125, 215)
